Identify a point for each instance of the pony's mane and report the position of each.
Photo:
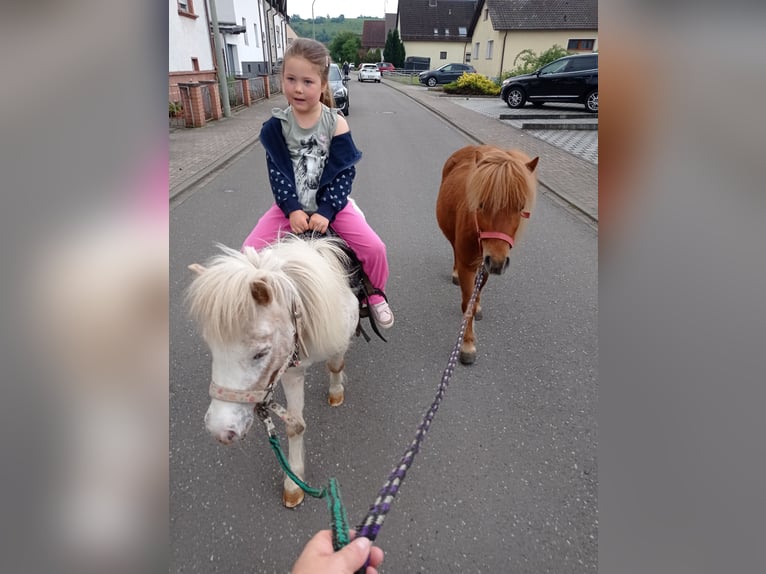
(501, 181)
(309, 274)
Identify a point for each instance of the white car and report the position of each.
(368, 72)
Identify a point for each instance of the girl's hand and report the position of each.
(299, 221)
(319, 223)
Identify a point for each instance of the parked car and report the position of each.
(338, 89)
(445, 74)
(385, 67)
(568, 79)
(368, 72)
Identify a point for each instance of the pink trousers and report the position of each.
(350, 224)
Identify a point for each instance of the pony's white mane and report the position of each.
(309, 274)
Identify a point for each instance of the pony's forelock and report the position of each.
(501, 181)
(307, 276)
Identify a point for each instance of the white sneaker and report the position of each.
(384, 317)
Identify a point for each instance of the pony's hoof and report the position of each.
(478, 315)
(467, 358)
(335, 400)
(291, 499)
(455, 280)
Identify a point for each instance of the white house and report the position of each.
(190, 57)
(253, 39)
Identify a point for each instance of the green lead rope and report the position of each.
(339, 524)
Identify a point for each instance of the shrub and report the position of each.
(473, 84)
(175, 109)
(528, 61)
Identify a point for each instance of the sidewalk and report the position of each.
(196, 153)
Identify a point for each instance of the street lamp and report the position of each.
(313, 23)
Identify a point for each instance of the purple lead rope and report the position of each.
(372, 523)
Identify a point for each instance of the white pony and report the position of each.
(267, 315)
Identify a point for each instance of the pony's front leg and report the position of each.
(336, 365)
(467, 277)
(292, 383)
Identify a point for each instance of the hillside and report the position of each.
(326, 28)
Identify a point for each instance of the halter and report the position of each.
(496, 234)
(256, 397)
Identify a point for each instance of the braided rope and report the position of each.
(372, 523)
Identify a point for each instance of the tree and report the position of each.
(372, 56)
(345, 47)
(394, 49)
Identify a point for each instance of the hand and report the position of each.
(299, 221)
(319, 223)
(318, 556)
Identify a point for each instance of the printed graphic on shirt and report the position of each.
(310, 163)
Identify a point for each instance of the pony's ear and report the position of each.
(532, 164)
(197, 268)
(261, 292)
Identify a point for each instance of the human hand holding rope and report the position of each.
(318, 556)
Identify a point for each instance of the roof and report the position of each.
(418, 19)
(390, 22)
(541, 14)
(374, 34)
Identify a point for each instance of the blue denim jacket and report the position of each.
(335, 183)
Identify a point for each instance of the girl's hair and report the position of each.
(316, 53)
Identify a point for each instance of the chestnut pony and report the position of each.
(485, 199)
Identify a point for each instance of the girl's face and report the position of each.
(301, 84)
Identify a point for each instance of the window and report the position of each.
(580, 44)
(446, 31)
(583, 63)
(490, 46)
(436, 31)
(468, 56)
(462, 30)
(186, 8)
(244, 25)
(432, 3)
(486, 13)
(256, 35)
(195, 64)
(476, 51)
(442, 55)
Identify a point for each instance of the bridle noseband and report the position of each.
(496, 234)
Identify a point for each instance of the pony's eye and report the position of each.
(260, 354)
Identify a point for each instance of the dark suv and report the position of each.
(338, 89)
(568, 79)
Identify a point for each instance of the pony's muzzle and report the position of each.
(227, 437)
(494, 266)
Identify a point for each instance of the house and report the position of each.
(253, 39)
(373, 35)
(190, 54)
(501, 29)
(436, 31)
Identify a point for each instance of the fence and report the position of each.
(194, 103)
(257, 89)
(275, 84)
(207, 102)
(236, 94)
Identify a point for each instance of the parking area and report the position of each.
(580, 142)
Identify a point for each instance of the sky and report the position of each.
(349, 8)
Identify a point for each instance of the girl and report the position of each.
(310, 157)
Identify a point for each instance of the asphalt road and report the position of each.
(507, 478)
